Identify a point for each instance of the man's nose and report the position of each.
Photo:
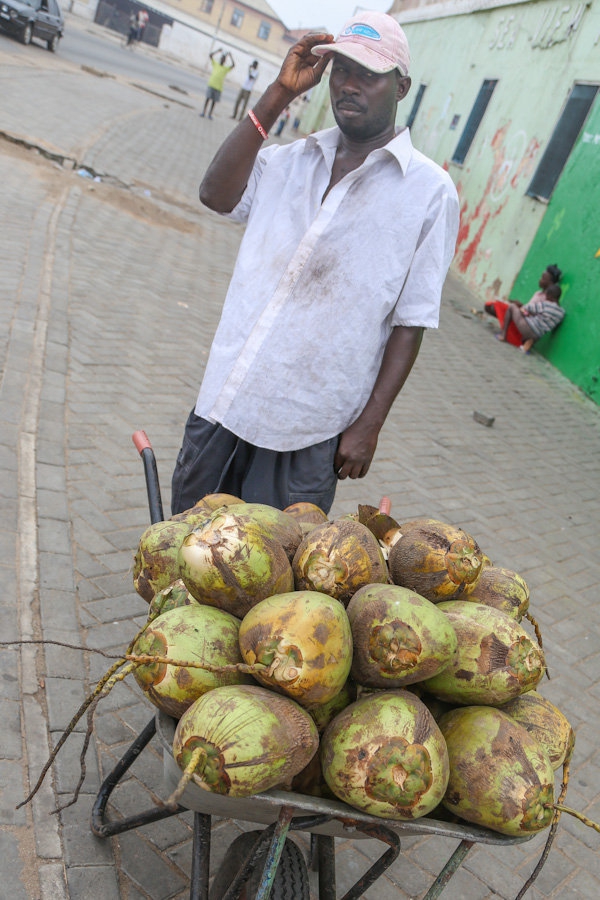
(350, 84)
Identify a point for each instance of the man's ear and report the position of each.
(404, 83)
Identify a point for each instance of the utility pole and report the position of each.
(218, 25)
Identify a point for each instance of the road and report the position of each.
(87, 44)
(110, 292)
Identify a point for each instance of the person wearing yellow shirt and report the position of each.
(216, 81)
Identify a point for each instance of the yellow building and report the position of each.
(253, 22)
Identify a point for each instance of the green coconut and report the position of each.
(304, 640)
(277, 524)
(156, 562)
(399, 637)
(338, 558)
(324, 713)
(308, 515)
(192, 634)
(246, 739)
(438, 561)
(385, 755)
(310, 781)
(495, 659)
(500, 775)
(233, 566)
(503, 589)
(205, 507)
(546, 723)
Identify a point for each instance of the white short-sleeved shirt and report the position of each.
(318, 286)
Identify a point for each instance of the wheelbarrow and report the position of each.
(265, 863)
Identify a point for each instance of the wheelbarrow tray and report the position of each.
(264, 808)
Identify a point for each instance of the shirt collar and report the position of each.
(400, 147)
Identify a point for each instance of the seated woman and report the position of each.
(516, 333)
(538, 317)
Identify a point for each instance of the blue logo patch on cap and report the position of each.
(363, 31)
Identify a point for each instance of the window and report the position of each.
(207, 6)
(264, 30)
(562, 141)
(473, 122)
(237, 17)
(415, 106)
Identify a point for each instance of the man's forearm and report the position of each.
(359, 441)
(227, 176)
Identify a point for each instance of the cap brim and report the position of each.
(364, 56)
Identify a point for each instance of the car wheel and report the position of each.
(53, 43)
(27, 33)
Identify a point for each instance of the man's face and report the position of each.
(364, 103)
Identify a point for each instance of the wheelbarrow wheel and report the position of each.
(291, 878)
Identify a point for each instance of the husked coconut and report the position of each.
(438, 561)
(385, 755)
(338, 558)
(399, 637)
(500, 775)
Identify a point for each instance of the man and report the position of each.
(350, 234)
(143, 17)
(245, 91)
(216, 81)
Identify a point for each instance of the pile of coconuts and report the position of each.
(378, 662)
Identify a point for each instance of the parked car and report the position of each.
(27, 19)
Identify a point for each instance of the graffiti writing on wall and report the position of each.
(506, 34)
(513, 157)
(557, 25)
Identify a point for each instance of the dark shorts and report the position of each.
(213, 94)
(213, 460)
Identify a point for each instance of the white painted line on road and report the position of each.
(35, 730)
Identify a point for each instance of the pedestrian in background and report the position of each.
(220, 70)
(133, 29)
(284, 119)
(142, 21)
(245, 91)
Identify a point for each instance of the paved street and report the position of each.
(111, 282)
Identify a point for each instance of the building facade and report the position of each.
(505, 96)
(192, 29)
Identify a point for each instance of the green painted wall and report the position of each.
(537, 50)
(570, 231)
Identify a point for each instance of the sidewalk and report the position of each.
(110, 292)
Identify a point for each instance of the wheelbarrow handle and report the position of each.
(141, 441)
(144, 448)
(385, 506)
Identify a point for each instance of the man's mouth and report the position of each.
(346, 107)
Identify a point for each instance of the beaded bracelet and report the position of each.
(257, 125)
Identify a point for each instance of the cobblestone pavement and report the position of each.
(110, 292)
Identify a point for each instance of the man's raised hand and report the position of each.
(301, 70)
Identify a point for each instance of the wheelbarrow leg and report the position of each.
(452, 866)
(200, 857)
(326, 866)
(280, 833)
(387, 836)
(104, 829)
